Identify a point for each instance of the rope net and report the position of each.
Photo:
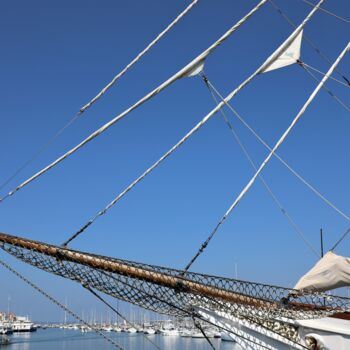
(170, 291)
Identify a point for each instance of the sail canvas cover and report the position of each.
(289, 56)
(332, 271)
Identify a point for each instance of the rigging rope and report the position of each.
(294, 172)
(198, 326)
(193, 314)
(60, 305)
(343, 236)
(186, 312)
(138, 57)
(38, 153)
(322, 73)
(196, 315)
(309, 41)
(250, 160)
(332, 94)
(269, 156)
(86, 286)
(182, 72)
(102, 92)
(164, 290)
(233, 93)
(328, 12)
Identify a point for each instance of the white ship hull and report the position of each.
(327, 333)
(23, 328)
(169, 332)
(22, 324)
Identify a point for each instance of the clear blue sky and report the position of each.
(56, 55)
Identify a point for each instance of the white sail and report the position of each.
(332, 271)
(181, 73)
(289, 56)
(196, 69)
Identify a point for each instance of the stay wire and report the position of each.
(327, 11)
(294, 172)
(184, 71)
(310, 42)
(343, 236)
(189, 313)
(282, 138)
(322, 73)
(139, 56)
(267, 187)
(205, 243)
(198, 326)
(60, 305)
(88, 288)
(98, 296)
(63, 307)
(330, 92)
(37, 154)
(99, 95)
(185, 137)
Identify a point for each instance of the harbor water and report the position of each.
(65, 339)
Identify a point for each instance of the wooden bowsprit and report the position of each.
(171, 291)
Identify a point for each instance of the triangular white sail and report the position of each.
(195, 70)
(332, 271)
(289, 56)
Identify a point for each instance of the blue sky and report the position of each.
(57, 55)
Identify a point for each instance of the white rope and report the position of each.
(309, 41)
(294, 172)
(332, 94)
(267, 159)
(199, 125)
(262, 179)
(322, 73)
(153, 93)
(113, 81)
(139, 56)
(328, 12)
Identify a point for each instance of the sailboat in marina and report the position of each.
(254, 315)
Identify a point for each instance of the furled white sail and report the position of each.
(289, 56)
(139, 56)
(332, 271)
(181, 73)
(191, 69)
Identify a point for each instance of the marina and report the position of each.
(58, 339)
(165, 333)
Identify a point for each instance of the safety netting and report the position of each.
(172, 291)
